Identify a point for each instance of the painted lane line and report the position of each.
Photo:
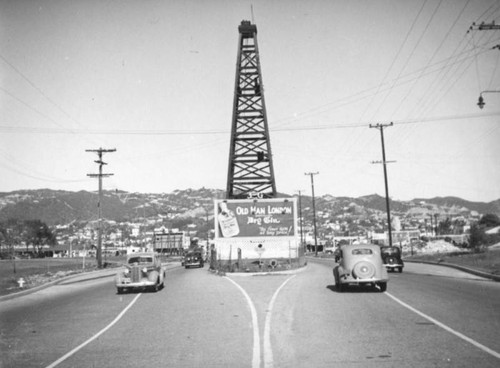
(268, 352)
(255, 325)
(449, 329)
(122, 313)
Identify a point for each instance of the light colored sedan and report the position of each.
(360, 264)
(142, 271)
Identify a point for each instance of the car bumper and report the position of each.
(189, 264)
(351, 280)
(129, 284)
(392, 266)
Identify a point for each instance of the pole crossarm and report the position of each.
(485, 26)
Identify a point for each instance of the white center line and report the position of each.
(66, 356)
(255, 325)
(268, 352)
(449, 329)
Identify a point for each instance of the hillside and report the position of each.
(56, 207)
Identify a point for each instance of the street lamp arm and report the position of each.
(480, 101)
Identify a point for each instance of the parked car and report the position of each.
(391, 257)
(142, 271)
(193, 259)
(360, 265)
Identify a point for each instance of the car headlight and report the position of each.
(126, 271)
(145, 270)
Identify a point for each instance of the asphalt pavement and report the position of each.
(445, 269)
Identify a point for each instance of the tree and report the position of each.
(477, 238)
(489, 220)
(38, 234)
(444, 227)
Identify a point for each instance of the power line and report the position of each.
(326, 126)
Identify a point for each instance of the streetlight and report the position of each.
(480, 101)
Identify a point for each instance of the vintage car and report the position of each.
(391, 257)
(360, 265)
(193, 259)
(143, 271)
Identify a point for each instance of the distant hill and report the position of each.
(480, 207)
(56, 207)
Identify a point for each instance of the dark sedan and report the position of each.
(392, 258)
(193, 259)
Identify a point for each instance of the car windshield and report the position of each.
(362, 251)
(140, 260)
(390, 250)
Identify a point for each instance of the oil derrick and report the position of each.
(250, 173)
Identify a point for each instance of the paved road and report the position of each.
(294, 320)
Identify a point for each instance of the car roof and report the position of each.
(141, 254)
(358, 246)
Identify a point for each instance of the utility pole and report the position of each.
(300, 217)
(384, 162)
(99, 152)
(311, 174)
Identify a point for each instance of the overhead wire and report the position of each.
(400, 104)
(418, 108)
(383, 81)
(419, 103)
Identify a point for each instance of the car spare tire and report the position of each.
(391, 260)
(363, 270)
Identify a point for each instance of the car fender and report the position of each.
(153, 276)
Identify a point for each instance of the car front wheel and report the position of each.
(382, 286)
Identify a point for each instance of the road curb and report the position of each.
(266, 273)
(460, 268)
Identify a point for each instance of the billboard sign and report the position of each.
(243, 218)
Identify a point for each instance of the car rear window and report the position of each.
(140, 260)
(361, 251)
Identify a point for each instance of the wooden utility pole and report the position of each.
(99, 152)
(311, 174)
(300, 219)
(384, 162)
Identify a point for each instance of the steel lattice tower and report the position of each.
(250, 172)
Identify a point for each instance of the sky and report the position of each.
(154, 79)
